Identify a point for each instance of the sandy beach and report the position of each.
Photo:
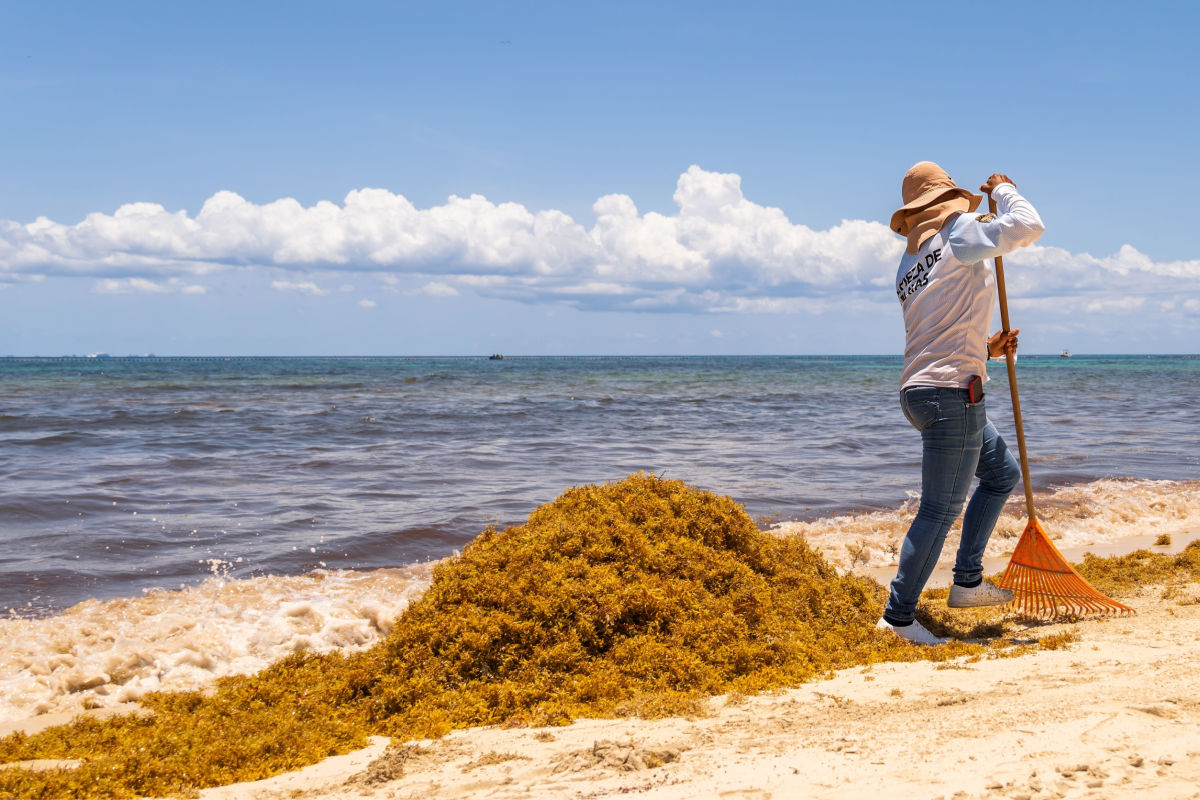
(1114, 714)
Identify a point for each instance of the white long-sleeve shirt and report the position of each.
(947, 291)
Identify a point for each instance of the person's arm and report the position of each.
(1016, 224)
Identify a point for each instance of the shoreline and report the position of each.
(104, 655)
(993, 565)
(1113, 711)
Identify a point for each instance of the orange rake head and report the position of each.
(1046, 586)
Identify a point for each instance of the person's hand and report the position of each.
(994, 181)
(1001, 343)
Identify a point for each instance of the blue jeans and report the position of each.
(958, 444)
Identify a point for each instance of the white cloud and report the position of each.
(1114, 304)
(306, 287)
(438, 289)
(144, 286)
(787, 305)
(718, 252)
(128, 286)
(365, 303)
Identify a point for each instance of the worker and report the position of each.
(946, 289)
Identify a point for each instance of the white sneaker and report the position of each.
(914, 632)
(985, 594)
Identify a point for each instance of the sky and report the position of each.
(457, 178)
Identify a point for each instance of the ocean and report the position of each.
(168, 520)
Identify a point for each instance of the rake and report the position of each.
(1044, 584)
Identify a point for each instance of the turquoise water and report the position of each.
(125, 474)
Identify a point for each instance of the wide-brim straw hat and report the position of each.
(924, 185)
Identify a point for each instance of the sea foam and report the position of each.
(97, 654)
(1092, 514)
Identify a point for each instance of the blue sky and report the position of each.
(455, 178)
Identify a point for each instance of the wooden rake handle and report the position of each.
(1012, 380)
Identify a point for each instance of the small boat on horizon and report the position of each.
(1065, 354)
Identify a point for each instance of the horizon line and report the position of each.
(519, 356)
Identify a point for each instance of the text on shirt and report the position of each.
(918, 276)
